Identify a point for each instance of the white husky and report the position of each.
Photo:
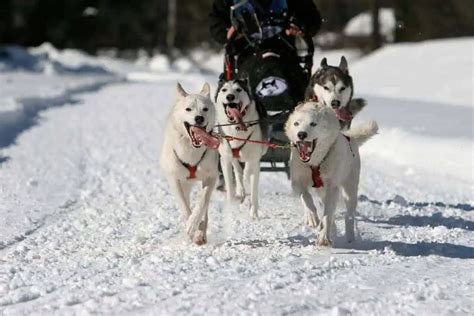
(328, 160)
(235, 106)
(187, 159)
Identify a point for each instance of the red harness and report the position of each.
(316, 171)
(236, 151)
(192, 169)
(316, 175)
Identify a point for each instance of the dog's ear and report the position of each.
(244, 79)
(221, 79)
(206, 90)
(181, 92)
(343, 65)
(324, 62)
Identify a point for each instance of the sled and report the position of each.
(245, 20)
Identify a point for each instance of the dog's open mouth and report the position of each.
(305, 149)
(235, 113)
(199, 136)
(343, 114)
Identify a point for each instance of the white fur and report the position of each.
(250, 154)
(339, 163)
(177, 140)
(330, 92)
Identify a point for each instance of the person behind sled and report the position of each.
(270, 43)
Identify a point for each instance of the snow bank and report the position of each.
(433, 71)
(46, 59)
(361, 25)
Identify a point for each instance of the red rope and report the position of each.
(259, 142)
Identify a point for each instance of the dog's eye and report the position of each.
(343, 88)
(238, 90)
(205, 109)
(326, 88)
(313, 124)
(296, 124)
(224, 90)
(188, 110)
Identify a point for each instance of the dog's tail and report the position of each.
(356, 105)
(362, 133)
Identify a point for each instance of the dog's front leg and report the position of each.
(254, 174)
(239, 180)
(229, 181)
(183, 200)
(350, 190)
(311, 214)
(330, 202)
(200, 212)
(200, 238)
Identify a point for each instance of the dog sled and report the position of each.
(275, 86)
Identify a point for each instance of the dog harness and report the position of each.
(316, 171)
(316, 176)
(236, 151)
(192, 169)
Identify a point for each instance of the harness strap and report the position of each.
(316, 171)
(192, 169)
(316, 176)
(236, 151)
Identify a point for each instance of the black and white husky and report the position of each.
(235, 109)
(334, 87)
(189, 156)
(328, 160)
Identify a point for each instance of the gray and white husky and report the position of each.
(334, 87)
(189, 156)
(235, 107)
(328, 160)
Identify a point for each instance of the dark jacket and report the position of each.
(305, 13)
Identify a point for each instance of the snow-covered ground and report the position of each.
(88, 224)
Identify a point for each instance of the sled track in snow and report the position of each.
(26, 114)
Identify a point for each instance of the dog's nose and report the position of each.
(336, 103)
(199, 119)
(302, 135)
(230, 97)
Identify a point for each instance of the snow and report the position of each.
(432, 71)
(88, 223)
(361, 24)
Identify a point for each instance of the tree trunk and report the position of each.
(171, 26)
(376, 37)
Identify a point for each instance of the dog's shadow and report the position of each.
(422, 249)
(296, 241)
(437, 219)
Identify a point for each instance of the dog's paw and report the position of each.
(323, 242)
(311, 220)
(253, 213)
(240, 193)
(240, 198)
(200, 238)
(192, 226)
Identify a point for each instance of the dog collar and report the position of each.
(236, 151)
(191, 168)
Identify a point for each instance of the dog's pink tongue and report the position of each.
(237, 116)
(343, 114)
(207, 139)
(304, 150)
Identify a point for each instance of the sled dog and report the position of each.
(328, 160)
(235, 109)
(334, 87)
(189, 156)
